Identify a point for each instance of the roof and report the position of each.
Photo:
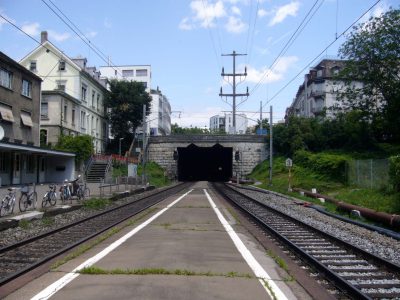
(34, 150)
(19, 66)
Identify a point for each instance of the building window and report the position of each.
(141, 72)
(84, 92)
(98, 102)
(65, 113)
(42, 164)
(30, 163)
(83, 120)
(44, 110)
(26, 88)
(43, 137)
(93, 95)
(6, 113)
(4, 159)
(32, 66)
(319, 73)
(61, 65)
(127, 73)
(61, 85)
(144, 84)
(5, 78)
(73, 116)
(26, 119)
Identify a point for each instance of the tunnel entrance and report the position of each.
(204, 163)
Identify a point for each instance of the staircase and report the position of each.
(98, 169)
(97, 172)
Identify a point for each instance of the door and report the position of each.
(42, 169)
(16, 169)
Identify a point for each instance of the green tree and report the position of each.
(373, 53)
(176, 129)
(125, 102)
(81, 145)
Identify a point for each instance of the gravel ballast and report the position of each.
(371, 241)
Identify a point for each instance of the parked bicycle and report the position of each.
(8, 202)
(65, 192)
(50, 198)
(28, 198)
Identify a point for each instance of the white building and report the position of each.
(225, 123)
(319, 90)
(139, 73)
(72, 95)
(160, 116)
(159, 119)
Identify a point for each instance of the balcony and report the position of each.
(317, 94)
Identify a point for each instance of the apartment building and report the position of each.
(160, 116)
(72, 95)
(319, 90)
(21, 159)
(225, 123)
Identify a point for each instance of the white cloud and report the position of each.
(206, 12)
(284, 11)
(91, 34)
(235, 25)
(262, 13)
(31, 29)
(185, 24)
(236, 10)
(59, 37)
(107, 23)
(2, 21)
(277, 73)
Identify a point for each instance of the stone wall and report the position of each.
(253, 149)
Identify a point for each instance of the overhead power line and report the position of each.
(81, 35)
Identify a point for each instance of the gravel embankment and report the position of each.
(363, 238)
(36, 227)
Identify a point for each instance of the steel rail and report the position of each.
(341, 283)
(45, 259)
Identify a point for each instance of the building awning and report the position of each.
(6, 113)
(5, 146)
(26, 119)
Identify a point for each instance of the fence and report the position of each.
(369, 173)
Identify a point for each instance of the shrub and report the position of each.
(394, 172)
(330, 165)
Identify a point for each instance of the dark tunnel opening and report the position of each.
(204, 163)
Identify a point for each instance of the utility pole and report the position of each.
(261, 125)
(234, 94)
(270, 145)
(144, 144)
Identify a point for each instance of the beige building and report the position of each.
(72, 95)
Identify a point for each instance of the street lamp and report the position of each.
(120, 139)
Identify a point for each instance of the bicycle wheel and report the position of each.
(80, 194)
(34, 200)
(23, 202)
(4, 204)
(53, 198)
(46, 199)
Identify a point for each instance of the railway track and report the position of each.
(357, 273)
(26, 255)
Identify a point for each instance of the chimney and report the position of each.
(43, 37)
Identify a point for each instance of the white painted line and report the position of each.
(258, 270)
(59, 284)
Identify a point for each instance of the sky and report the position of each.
(184, 40)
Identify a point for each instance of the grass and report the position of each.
(303, 178)
(47, 221)
(93, 270)
(96, 203)
(24, 224)
(281, 263)
(155, 173)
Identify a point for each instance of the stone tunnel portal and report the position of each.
(204, 163)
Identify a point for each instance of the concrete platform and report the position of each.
(188, 236)
(30, 215)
